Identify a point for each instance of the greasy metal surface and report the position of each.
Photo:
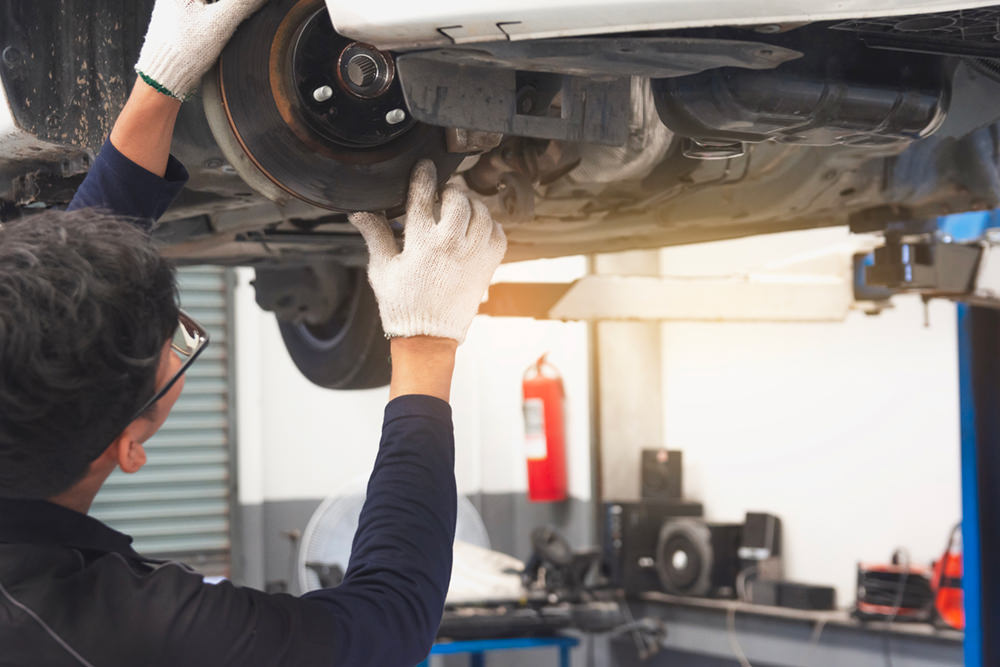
(482, 97)
(802, 108)
(771, 188)
(67, 64)
(538, 161)
(256, 92)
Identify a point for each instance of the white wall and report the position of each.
(297, 441)
(486, 396)
(849, 432)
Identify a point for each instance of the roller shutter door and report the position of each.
(179, 505)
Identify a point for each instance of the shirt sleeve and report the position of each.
(388, 608)
(401, 559)
(118, 185)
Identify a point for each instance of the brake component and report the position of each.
(319, 116)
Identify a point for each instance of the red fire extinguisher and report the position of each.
(947, 583)
(544, 432)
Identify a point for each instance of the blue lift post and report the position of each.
(979, 371)
(979, 391)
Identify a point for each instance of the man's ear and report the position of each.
(128, 451)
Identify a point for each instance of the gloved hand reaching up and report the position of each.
(185, 38)
(434, 286)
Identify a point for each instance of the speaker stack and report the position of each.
(661, 477)
(663, 543)
(631, 532)
(697, 558)
(632, 528)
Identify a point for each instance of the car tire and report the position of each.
(349, 350)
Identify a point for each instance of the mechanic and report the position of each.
(88, 318)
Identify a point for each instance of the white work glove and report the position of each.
(185, 38)
(434, 286)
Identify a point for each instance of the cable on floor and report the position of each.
(734, 642)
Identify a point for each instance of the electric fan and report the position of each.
(478, 572)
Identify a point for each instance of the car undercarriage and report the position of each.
(582, 144)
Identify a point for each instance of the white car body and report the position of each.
(403, 23)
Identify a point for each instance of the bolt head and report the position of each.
(11, 56)
(395, 116)
(323, 93)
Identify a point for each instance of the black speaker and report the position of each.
(761, 536)
(662, 474)
(631, 530)
(697, 558)
(760, 547)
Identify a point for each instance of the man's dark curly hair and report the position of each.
(86, 305)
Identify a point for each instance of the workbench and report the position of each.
(699, 636)
(476, 650)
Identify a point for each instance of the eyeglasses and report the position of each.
(190, 338)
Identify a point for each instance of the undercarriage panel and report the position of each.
(654, 184)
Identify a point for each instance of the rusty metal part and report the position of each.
(471, 141)
(517, 197)
(263, 99)
(539, 161)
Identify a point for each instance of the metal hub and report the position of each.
(347, 90)
(296, 127)
(365, 71)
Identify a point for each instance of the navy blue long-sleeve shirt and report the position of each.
(115, 183)
(74, 592)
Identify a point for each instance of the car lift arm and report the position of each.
(746, 298)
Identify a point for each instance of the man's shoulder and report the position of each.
(54, 574)
(21, 562)
(69, 598)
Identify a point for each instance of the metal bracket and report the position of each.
(929, 266)
(749, 298)
(934, 267)
(477, 87)
(476, 97)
